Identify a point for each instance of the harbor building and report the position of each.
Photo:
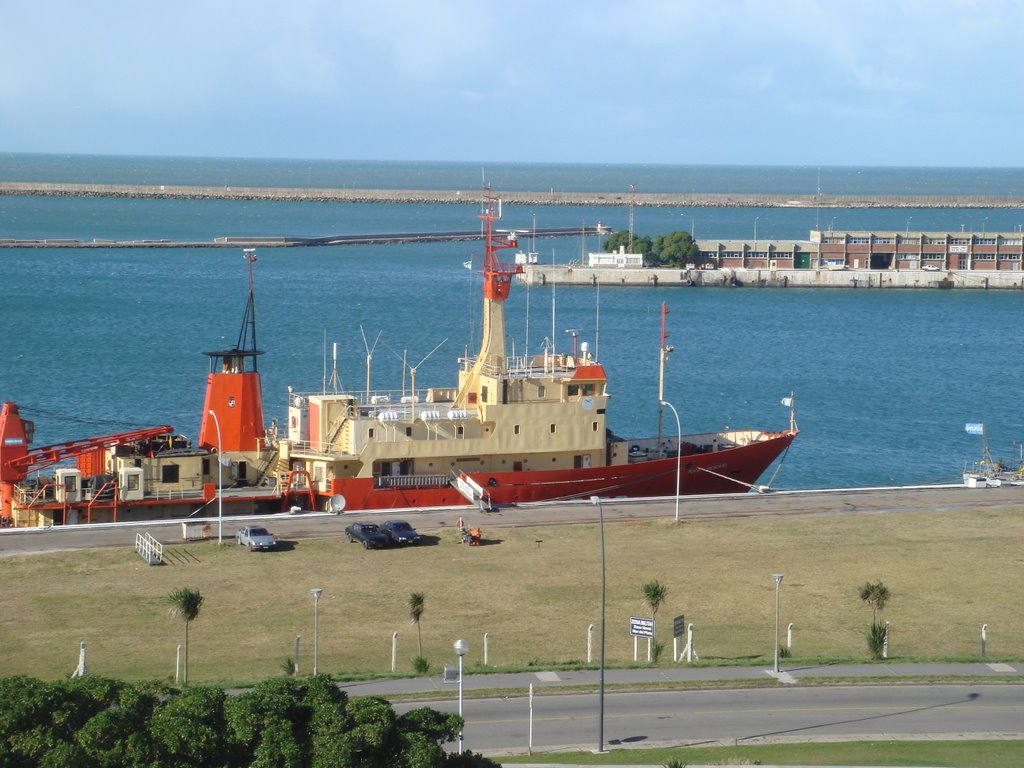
(828, 259)
(834, 249)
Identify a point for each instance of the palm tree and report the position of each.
(654, 593)
(875, 596)
(185, 603)
(417, 603)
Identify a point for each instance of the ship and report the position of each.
(508, 430)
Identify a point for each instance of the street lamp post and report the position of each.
(461, 646)
(220, 480)
(316, 628)
(679, 452)
(596, 501)
(778, 581)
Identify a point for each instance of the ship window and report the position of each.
(206, 466)
(552, 428)
(573, 390)
(588, 389)
(540, 391)
(371, 431)
(577, 462)
(483, 394)
(600, 410)
(408, 431)
(132, 482)
(460, 430)
(169, 473)
(593, 426)
(515, 429)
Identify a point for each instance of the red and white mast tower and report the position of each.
(497, 284)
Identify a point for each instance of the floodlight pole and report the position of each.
(461, 646)
(316, 628)
(596, 501)
(679, 452)
(778, 581)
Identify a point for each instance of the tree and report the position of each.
(675, 249)
(654, 593)
(417, 604)
(875, 596)
(185, 603)
(641, 243)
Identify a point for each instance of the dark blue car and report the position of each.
(369, 534)
(401, 533)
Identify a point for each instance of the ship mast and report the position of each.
(497, 284)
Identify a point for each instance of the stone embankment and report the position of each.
(560, 274)
(552, 197)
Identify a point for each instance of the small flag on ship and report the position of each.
(788, 401)
(974, 429)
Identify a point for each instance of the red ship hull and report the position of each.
(733, 470)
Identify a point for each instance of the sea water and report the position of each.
(100, 340)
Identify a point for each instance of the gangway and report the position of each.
(472, 490)
(149, 549)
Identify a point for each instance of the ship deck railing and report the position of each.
(529, 366)
(648, 448)
(400, 403)
(411, 481)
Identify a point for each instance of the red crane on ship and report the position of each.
(17, 462)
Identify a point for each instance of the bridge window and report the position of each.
(169, 473)
(552, 428)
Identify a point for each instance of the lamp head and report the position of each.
(461, 647)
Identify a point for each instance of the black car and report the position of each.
(400, 533)
(369, 534)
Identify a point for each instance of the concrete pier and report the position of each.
(474, 196)
(563, 274)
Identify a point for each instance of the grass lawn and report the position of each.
(953, 754)
(534, 590)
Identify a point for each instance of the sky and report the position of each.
(766, 82)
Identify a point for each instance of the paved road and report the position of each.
(499, 726)
(990, 706)
(309, 525)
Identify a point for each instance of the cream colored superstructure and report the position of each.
(506, 415)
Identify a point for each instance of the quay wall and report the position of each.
(551, 197)
(561, 274)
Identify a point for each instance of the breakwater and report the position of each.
(551, 197)
(561, 274)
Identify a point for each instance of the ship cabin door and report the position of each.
(392, 468)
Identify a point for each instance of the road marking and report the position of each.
(782, 677)
(549, 677)
(998, 667)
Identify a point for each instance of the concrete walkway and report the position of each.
(519, 682)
